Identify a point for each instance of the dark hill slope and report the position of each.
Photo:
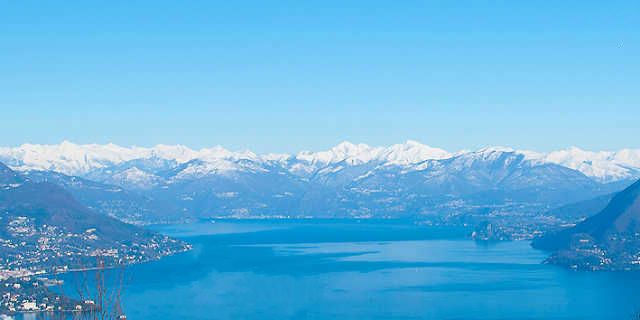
(114, 201)
(607, 240)
(42, 226)
(49, 204)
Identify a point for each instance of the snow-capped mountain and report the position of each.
(111, 159)
(605, 166)
(138, 184)
(67, 157)
(75, 159)
(406, 153)
(85, 160)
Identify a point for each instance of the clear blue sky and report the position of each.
(288, 75)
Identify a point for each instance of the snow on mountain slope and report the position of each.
(406, 153)
(178, 153)
(605, 166)
(76, 159)
(345, 151)
(411, 152)
(67, 157)
(199, 168)
(218, 152)
(136, 178)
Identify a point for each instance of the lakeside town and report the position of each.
(33, 255)
(34, 294)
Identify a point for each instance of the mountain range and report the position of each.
(172, 183)
(78, 160)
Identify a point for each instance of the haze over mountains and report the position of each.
(349, 180)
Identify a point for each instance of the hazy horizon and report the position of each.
(293, 76)
(329, 147)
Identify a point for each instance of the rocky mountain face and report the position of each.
(174, 183)
(607, 240)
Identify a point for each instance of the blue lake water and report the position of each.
(364, 270)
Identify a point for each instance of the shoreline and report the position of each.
(53, 276)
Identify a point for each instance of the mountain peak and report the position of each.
(79, 159)
(413, 152)
(605, 166)
(349, 148)
(494, 149)
(413, 143)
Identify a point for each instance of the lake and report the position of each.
(364, 270)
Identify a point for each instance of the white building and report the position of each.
(29, 306)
